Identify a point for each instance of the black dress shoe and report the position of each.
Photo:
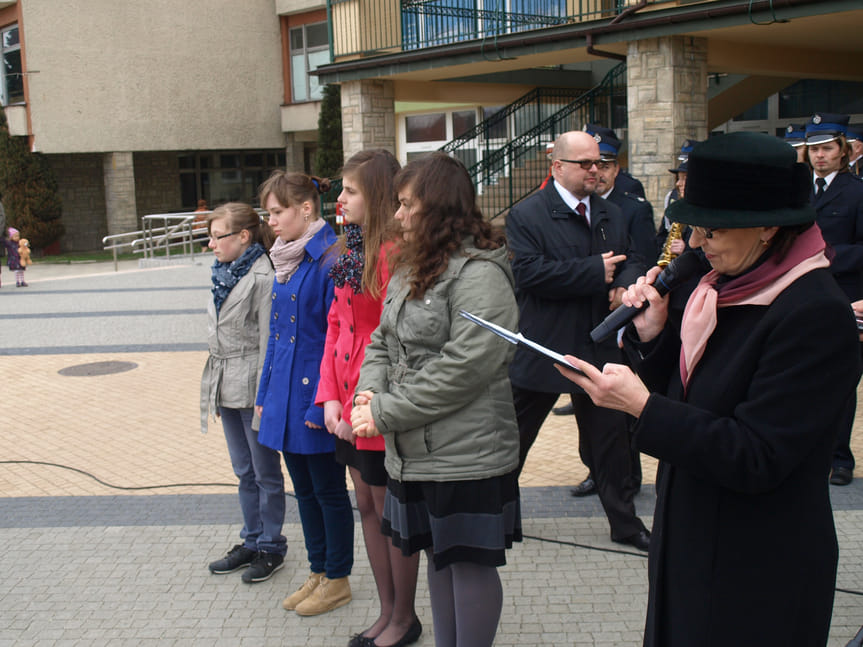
(565, 410)
(585, 488)
(841, 476)
(640, 540)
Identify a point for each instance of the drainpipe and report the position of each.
(620, 17)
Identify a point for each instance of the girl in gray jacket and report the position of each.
(436, 387)
(237, 320)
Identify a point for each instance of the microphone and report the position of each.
(678, 271)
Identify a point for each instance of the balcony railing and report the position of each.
(376, 27)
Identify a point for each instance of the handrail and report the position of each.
(500, 162)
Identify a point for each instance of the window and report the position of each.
(309, 49)
(220, 177)
(12, 88)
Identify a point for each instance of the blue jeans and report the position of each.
(262, 485)
(325, 512)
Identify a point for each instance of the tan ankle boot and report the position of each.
(290, 603)
(329, 595)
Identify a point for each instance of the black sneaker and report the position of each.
(262, 567)
(238, 557)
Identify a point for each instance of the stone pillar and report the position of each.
(295, 159)
(667, 103)
(119, 172)
(368, 116)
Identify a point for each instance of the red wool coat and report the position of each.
(351, 320)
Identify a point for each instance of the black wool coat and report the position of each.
(840, 217)
(743, 550)
(560, 282)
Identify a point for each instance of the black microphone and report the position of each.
(680, 270)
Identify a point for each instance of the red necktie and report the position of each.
(582, 211)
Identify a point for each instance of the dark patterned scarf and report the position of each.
(348, 268)
(227, 275)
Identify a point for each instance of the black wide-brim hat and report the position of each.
(744, 180)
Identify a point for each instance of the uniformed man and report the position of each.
(837, 196)
(637, 211)
(795, 136)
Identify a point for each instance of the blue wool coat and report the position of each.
(298, 330)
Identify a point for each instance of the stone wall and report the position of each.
(368, 116)
(667, 104)
(157, 183)
(82, 190)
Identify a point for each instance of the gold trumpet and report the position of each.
(675, 232)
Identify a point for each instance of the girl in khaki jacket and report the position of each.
(238, 315)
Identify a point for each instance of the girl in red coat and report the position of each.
(361, 275)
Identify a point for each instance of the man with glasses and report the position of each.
(571, 261)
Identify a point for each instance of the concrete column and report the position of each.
(666, 103)
(119, 172)
(368, 116)
(294, 153)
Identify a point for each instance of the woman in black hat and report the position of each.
(740, 405)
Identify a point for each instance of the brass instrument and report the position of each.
(675, 232)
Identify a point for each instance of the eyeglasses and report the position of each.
(233, 233)
(585, 164)
(704, 232)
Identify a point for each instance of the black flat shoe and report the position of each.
(359, 640)
(411, 636)
(585, 488)
(841, 476)
(640, 540)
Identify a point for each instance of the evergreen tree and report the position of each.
(29, 190)
(330, 158)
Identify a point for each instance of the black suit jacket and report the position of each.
(840, 217)
(638, 214)
(560, 282)
(743, 550)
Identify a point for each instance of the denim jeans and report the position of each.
(325, 512)
(262, 485)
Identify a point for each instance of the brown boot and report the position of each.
(329, 595)
(290, 603)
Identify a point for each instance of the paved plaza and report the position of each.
(112, 502)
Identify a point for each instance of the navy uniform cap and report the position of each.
(825, 127)
(795, 134)
(855, 133)
(685, 148)
(608, 142)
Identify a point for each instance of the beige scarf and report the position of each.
(287, 255)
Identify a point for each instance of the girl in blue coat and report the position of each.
(290, 420)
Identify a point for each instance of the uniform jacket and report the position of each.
(298, 328)
(560, 282)
(443, 401)
(237, 340)
(638, 214)
(743, 550)
(840, 217)
(350, 323)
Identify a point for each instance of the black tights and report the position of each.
(466, 601)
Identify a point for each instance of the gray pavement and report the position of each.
(90, 563)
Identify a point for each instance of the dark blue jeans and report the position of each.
(325, 512)
(262, 485)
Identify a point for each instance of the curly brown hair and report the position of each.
(445, 214)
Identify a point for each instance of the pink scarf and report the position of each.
(758, 287)
(287, 255)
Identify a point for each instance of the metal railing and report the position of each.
(176, 231)
(377, 27)
(505, 174)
